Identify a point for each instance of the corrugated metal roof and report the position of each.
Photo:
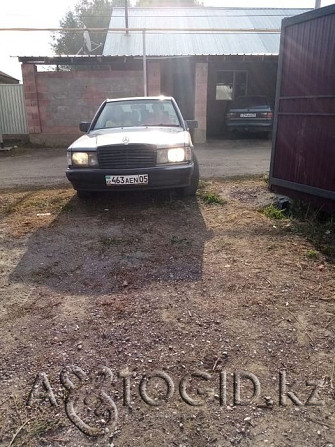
(7, 76)
(175, 43)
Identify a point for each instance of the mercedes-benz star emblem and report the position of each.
(125, 140)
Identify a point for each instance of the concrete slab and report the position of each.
(229, 158)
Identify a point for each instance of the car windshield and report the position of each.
(134, 113)
(250, 102)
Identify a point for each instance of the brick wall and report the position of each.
(57, 101)
(31, 98)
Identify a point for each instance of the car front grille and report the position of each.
(127, 156)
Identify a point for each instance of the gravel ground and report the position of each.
(144, 320)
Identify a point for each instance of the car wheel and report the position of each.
(84, 194)
(192, 188)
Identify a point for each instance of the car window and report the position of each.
(137, 113)
(244, 102)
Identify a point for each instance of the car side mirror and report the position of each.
(84, 126)
(192, 124)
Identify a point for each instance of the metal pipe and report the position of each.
(145, 84)
(1, 139)
(317, 4)
(154, 30)
(126, 15)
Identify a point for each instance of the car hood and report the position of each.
(158, 136)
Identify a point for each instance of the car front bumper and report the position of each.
(160, 177)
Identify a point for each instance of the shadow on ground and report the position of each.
(116, 241)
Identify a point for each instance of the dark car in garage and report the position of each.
(250, 114)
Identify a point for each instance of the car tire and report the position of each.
(192, 188)
(83, 194)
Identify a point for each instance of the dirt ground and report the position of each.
(145, 320)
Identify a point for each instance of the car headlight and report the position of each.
(176, 155)
(173, 155)
(84, 159)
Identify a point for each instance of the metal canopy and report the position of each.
(196, 31)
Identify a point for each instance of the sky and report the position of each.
(47, 14)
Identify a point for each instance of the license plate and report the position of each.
(248, 115)
(141, 179)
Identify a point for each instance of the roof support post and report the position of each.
(126, 15)
(30, 91)
(145, 82)
(200, 101)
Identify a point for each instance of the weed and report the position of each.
(211, 198)
(273, 212)
(202, 185)
(312, 254)
(265, 178)
(67, 207)
(316, 226)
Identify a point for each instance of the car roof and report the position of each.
(141, 98)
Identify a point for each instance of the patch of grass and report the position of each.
(207, 196)
(68, 207)
(312, 254)
(265, 178)
(15, 203)
(211, 198)
(274, 213)
(33, 202)
(319, 235)
(316, 226)
(309, 222)
(202, 185)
